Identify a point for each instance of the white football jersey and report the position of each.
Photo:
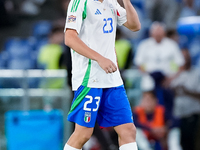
(95, 23)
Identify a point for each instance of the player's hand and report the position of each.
(107, 65)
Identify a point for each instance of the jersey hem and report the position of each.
(103, 87)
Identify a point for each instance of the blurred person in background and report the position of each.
(187, 103)
(159, 53)
(172, 12)
(190, 8)
(124, 52)
(150, 123)
(51, 57)
(155, 9)
(161, 58)
(169, 11)
(166, 98)
(166, 11)
(50, 54)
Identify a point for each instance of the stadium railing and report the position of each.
(25, 98)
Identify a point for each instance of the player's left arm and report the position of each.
(133, 22)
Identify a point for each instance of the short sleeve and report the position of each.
(121, 14)
(75, 15)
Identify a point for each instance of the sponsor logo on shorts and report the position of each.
(71, 19)
(87, 117)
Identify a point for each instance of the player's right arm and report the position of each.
(73, 41)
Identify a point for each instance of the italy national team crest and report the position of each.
(71, 18)
(87, 117)
(112, 9)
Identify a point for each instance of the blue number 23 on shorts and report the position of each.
(108, 106)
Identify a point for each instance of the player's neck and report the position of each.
(100, 1)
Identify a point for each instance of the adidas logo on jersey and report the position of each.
(97, 12)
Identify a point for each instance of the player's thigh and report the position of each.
(85, 106)
(115, 108)
(81, 135)
(126, 132)
(83, 131)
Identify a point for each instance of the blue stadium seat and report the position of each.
(20, 54)
(41, 29)
(20, 64)
(41, 43)
(36, 43)
(18, 48)
(194, 48)
(189, 26)
(3, 59)
(189, 31)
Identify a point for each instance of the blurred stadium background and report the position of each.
(25, 26)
